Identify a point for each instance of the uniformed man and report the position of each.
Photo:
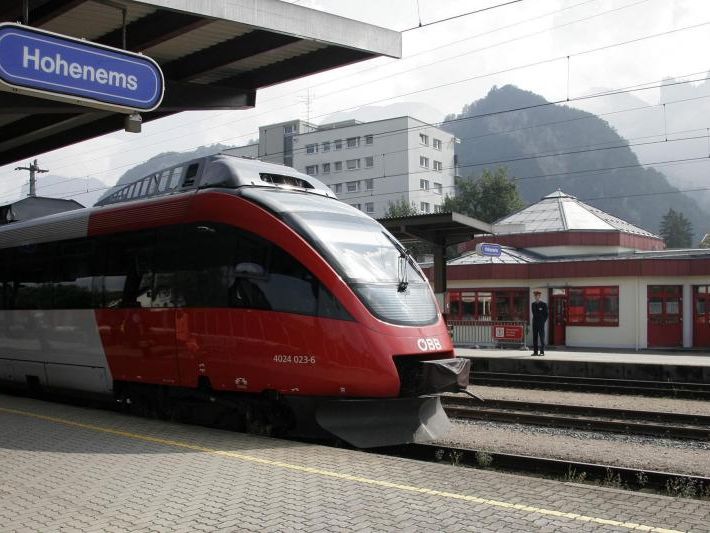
(539, 317)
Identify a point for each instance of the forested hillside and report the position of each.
(546, 147)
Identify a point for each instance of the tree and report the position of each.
(676, 230)
(400, 209)
(489, 197)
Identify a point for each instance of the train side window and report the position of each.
(290, 287)
(190, 175)
(4, 285)
(163, 180)
(30, 270)
(175, 177)
(167, 290)
(249, 272)
(128, 276)
(204, 267)
(73, 276)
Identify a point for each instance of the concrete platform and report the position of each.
(649, 365)
(66, 468)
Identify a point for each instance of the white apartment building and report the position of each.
(368, 165)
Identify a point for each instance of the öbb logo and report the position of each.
(428, 344)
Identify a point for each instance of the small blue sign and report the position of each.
(490, 250)
(49, 65)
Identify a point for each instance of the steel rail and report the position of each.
(650, 423)
(580, 384)
(573, 471)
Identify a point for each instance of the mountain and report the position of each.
(418, 110)
(683, 120)
(85, 191)
(546, 147)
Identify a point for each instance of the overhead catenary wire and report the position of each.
(550, 103)
(456, 16)
(142, 146)
(639, 87)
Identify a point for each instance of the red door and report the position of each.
(665, 316)
(701, 324)
(558, 317)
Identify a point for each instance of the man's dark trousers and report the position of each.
(539, 330)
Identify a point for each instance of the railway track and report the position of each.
(582, 384)
(670, 483)
(651, 423)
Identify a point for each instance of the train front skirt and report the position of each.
(369, 423)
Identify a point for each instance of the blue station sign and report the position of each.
(487, 249)
(48, 65)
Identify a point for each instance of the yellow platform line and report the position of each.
(345, 477)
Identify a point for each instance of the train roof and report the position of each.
(221, 170)
(218, 172)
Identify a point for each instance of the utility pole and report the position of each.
(33, 168)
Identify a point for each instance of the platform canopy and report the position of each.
(214, 55)
(440, 230)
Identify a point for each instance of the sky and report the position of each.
(556, 48)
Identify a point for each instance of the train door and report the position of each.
(665, 316)
(558, 317)
(701, 312)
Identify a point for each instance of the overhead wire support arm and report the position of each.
(33, 169)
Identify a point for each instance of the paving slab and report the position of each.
(67, 468)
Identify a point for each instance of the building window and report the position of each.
(338, 166)
(369, 207)
(437, 188)
(423, 139)
(369, 139)
(438, 166)
(326, 168)
(370, 184)
(289, 130)
(352, 164)
(489, 304)
(424, 207)
(353, 142)
(369, 162)
(312, 170)
(436, 143)
(338, 188)
(423, 161)
(312, 148)
(593, 306)
(424, 185)
(338, 143)
(357, 206)
(326, 146)
(353, 186)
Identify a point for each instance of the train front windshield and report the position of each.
(365, 253)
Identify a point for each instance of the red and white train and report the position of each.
(235, 287)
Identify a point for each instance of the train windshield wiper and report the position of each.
(402, 282)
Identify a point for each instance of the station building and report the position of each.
(367, 164)
(608, 283)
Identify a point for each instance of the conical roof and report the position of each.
(559, 211)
